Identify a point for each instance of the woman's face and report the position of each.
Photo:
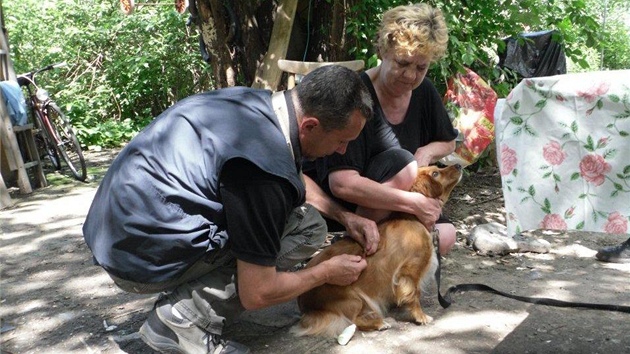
(403, 73)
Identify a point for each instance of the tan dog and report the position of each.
(393, 275)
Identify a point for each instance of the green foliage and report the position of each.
(123, 70)
(477, 29)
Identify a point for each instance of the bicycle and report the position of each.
(53, 133)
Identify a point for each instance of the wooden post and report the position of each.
(9, 141)
(268, 74)
(12, 149)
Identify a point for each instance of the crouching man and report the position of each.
(206, 206)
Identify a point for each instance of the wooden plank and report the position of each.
(5, 198)
(305, 67)
(268, 74)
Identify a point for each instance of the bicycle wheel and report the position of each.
(67, 143)
(43, 140)
(49, 151)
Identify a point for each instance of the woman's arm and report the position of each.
(433, 152)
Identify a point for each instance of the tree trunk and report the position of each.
(236, 36)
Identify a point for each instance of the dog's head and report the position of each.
(435, 182)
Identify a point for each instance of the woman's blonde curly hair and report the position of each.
(417, 29)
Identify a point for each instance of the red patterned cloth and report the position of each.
(473, 101)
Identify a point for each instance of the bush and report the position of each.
(123, 70)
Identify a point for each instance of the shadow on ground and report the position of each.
(55, 301)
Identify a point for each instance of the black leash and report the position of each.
(446, 300)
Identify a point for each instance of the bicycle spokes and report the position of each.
(66, 142)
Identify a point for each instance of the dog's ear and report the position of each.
(426, 185)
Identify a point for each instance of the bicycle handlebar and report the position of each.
(26, 78)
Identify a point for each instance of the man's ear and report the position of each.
(309, 123)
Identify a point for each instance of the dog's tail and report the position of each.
(320, 322)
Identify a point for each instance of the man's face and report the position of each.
(318, 143)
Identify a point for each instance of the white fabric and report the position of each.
(563, 147)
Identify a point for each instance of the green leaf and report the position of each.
(589, 144)
(529, 130)
(575, 175)
(531, 190)
(609, 154)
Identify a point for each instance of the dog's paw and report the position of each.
(423, 319)
(384, 326)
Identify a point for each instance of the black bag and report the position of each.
(539, 54)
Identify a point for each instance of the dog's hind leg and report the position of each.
(407, 292)
(371, 321)
(370, 317)
(320, 322)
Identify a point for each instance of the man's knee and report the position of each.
(448, 236)
(405, 178)
(306, 233)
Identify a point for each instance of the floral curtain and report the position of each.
(563, 146)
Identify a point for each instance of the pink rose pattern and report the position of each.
(597, 90)
(508, 160)
(616, 224)
(553, 222)
(594, 169)
(553, 153)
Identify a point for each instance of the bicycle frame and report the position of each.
(54, 129)
(38, 103)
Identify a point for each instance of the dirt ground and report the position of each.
(53, 300)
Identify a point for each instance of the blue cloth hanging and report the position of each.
(14, 100)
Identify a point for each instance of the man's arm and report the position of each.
(361, 229)
(260, 286)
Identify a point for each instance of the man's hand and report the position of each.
(428, 210)
(345, 269)
(362, 230)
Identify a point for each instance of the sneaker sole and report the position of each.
(166, 346)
